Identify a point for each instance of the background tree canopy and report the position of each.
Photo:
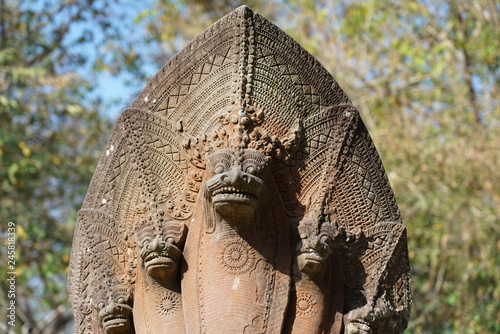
(425, 75)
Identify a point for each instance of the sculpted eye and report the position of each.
(250, 170)
(250, 166)
(253, 162)
(220, 161)
(145, 242)
(219, 169)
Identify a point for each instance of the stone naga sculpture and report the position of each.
(240, 193)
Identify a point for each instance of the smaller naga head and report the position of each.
(236, 184)
(313, 250)
(160, 257)
(115, 316)
(160, 248)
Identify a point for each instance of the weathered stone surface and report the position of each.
(240, 193)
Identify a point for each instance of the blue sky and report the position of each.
(116, 91)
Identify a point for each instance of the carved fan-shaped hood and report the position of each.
(241, 84)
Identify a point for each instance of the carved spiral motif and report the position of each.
(236, 256)
(168, 303)
(306, 304)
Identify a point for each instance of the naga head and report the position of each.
(160, 257)
(115, 316)
(113, 302)
(236, 186)
(313, 250)
(160, 248)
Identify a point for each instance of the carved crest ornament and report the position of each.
(240, 193)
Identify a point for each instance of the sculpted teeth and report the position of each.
(113, 318)
(311, 251)
(228, 190)
(153, 256)
(236, 195)
(234, 192)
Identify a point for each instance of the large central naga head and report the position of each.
(235, 185)
(240, 193)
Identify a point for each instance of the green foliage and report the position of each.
(50, 135)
